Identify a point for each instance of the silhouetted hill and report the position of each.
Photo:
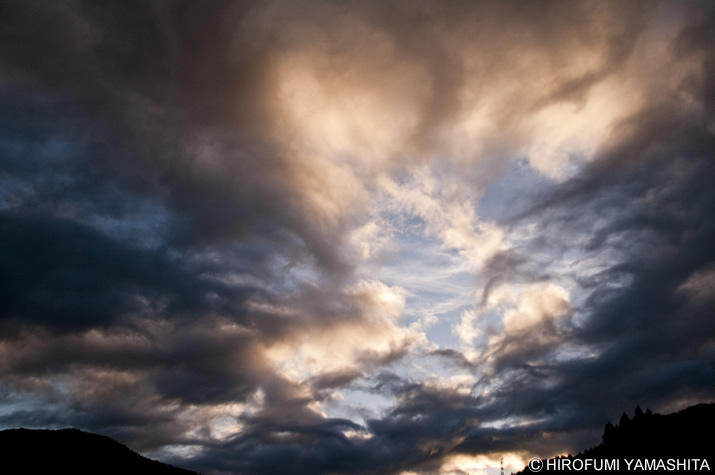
(682, 436)
(26, 451)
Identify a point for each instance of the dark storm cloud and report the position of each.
(166, 102)
(153, 209)
(66, 275)
(336, 379)
(414, 435)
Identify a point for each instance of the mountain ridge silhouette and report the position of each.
(680, 436)
(74, 451)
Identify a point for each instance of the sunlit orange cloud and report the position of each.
(484, 464)
(530, 317)
(355, 112)
(353, 106)
(353, 341)
(350, 95)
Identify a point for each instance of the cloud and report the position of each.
(256, 236)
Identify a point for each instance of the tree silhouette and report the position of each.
(675, 436)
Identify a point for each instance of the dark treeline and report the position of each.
(684, 435)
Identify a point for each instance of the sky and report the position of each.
(397, 237)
